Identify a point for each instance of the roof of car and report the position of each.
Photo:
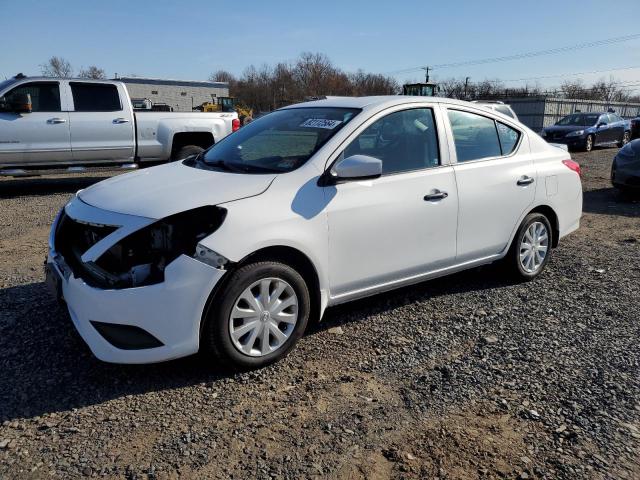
(365, 102)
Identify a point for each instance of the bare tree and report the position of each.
(93, 72)
(222, 76)
(57, 67)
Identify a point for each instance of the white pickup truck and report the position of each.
(78, 123)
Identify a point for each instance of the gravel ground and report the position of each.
(462, 377)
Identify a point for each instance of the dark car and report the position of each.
(583, 131)
(635, 128)
(625, 171)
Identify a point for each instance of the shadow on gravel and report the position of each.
(609, 201)
(45, 366)
(21, 187)
(488, 277)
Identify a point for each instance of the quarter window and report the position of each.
(404, 141)
(508, 138)
(475, 136)
(45, 96)
(95, 97)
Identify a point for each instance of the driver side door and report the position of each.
(39, 137)
(401, 225)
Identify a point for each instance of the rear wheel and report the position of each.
(258, 316)
(625, 139)
(186, 151)
(588, 143)
(531, 247)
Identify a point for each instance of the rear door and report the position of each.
(102, 127)
(617, 127)
(496, 181)
(41, 136)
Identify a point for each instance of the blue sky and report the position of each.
(190, 39)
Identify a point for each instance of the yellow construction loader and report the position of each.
(228, 104)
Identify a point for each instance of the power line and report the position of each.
(518, 56)
(571, 74)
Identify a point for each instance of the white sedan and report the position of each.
(235, 250)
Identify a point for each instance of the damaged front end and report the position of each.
(140, 258)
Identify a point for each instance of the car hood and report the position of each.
(157, 192)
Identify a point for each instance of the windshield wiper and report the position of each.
(219, 163)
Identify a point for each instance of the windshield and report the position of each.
(278, 142)
(580, 119)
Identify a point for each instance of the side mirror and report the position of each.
(357, 167)
(21, 103)
(601, 124)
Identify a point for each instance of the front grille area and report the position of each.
(74, 238)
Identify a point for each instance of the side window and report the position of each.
(95, 97)
(45, 96)
(475, 136)
(404, 141)
(508, 138)
(604, 119)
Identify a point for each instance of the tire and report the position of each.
(625, 139)
(588, 143)
(246, 349)
(518, 266)
(186, 151)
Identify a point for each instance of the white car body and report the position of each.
(67, 137)
(362, 237)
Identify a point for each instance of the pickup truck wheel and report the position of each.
(187, 151)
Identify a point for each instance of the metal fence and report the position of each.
(539, 112)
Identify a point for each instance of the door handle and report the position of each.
(435, 196)
(120, 120)
(56, 120)
(525, 180)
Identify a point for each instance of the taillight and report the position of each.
(571, 165)
(235, 125)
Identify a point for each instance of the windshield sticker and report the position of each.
(321, 123)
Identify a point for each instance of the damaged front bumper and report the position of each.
(143, 324)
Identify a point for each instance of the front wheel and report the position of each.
(258, 316)
(531, 247)
(588, 143)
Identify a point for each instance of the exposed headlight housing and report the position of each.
(577, 133)
(208, 256)
(140, 258)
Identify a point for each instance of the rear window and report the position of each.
(95, 97)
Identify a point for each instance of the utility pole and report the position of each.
(466, 85)
(426, 71)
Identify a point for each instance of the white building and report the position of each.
(181, 95)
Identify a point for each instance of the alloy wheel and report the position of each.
(263, 317)
(533, 247)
